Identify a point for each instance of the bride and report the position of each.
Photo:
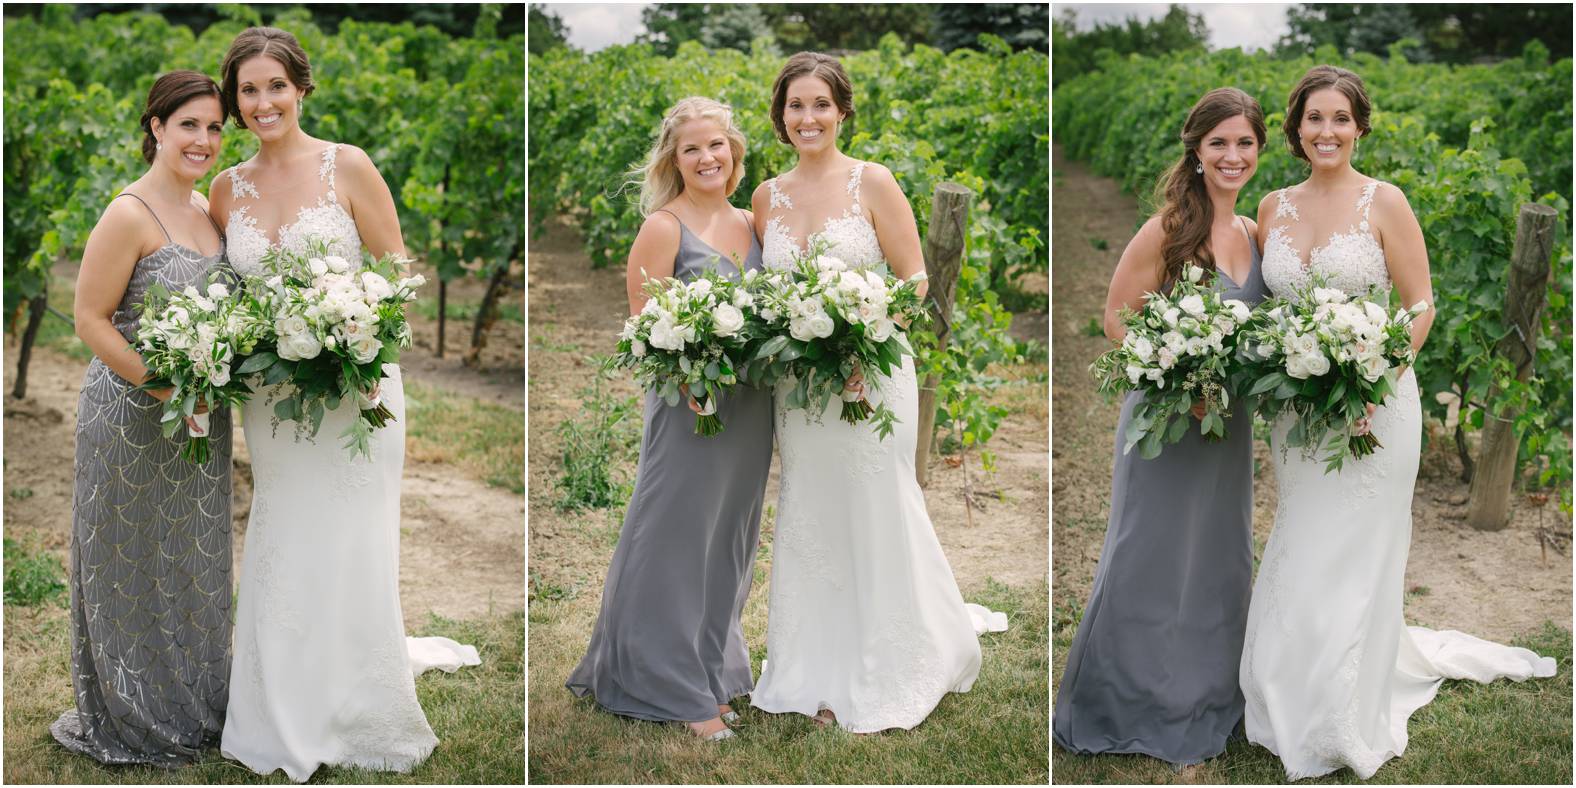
(1329, 671)
(865, 626)
(322, 671)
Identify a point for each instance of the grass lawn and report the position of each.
(1504, 732)
(994, 734)
(477, 712)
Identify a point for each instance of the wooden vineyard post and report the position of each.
(1488, 506)
(35, 315)
(949, 221)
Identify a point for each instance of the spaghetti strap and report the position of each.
(211, 221)
(167, 238)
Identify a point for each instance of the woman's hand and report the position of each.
(1198, 410)
(693, 405)
(856, 381)
(1364, 424)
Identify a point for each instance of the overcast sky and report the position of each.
(594, 26)
(1249, 26)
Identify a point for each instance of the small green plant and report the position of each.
(22, 493)
(31, 577)
(1093, 328)
(1099, 243)
(594, 446)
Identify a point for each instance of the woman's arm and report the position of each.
(896, 230)
(370, 202)
(118, 240)
(219, 200)
(652, 257)
(760, 205)
(1406, 255)
(1137, 273)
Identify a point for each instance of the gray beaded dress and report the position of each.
(150, 562)
(1153, 667)
(667, 644)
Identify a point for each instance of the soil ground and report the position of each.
(1496, 585)
(461, 547)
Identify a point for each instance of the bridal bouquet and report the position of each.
(819, 319)
(1178, 351)
(334, 325)
(190, 342)
(1325, 356)
(687, 337)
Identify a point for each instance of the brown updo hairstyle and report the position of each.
(811, 64)
(1186, 212)
(169, 93)
(1318, 78)
(274, 43)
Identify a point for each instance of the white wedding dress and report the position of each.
(322, 672)
(1330, 672)
(864, 616)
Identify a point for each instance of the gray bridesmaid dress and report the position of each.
(150, 561)
(667, 644)
(1153, 667)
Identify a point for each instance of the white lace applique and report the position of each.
(393, 736)
(1351, 261)
(326, 221)
(241, 187)
(779, 200)
(850, 235)
(1284, 207)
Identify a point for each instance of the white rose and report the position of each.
(377, 288)
(291, 324)
(1224, 324)
(879, 329)
(220, 375)
(664, 334)
(726, 320)
(1144, 349)
(821, 325)
(869, 312)
(1167, 358)
(364, 348)
(1373, 368)
(808, 307)
(1297, 366)
(1192, 305)
(1317, 364)
(1239, 310)
(297, 347)
(799, 328)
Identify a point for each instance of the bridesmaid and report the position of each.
(668, 644)
(1153, 667)
(150, 532)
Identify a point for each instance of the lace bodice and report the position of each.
(1350, 261)
(851, 236)
(325, 220)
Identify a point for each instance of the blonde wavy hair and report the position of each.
(659, 177)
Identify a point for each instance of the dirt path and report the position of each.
(575, 312)
(1493, 585)
(461, 552)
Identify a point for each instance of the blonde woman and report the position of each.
(667, 644)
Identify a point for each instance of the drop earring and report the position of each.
(1199, 169)
(158, 146)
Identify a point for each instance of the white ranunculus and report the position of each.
(1192, 304)
(821, 325)
(336, 263)
(726, 320)
(1167, 358)
(879, 329)
(298, 347)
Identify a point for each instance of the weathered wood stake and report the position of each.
(949, 221)
(1488, 507)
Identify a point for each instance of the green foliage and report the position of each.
(31, 576)
(1466, 144)
(594, 448)
(973, 117)
(1455, 33)
(442, 117)
(1077, 52)
(546, 30)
